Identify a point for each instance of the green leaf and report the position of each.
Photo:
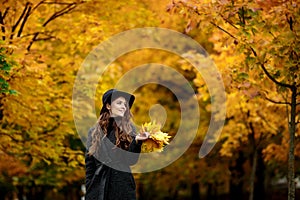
(4, 85)
(6, 66)
(277, 74)
(2, 80)
(13, 92)
(243, 76)
(254, 31)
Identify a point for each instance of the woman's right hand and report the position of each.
(142, 136)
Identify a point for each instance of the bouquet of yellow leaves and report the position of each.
(157, 139)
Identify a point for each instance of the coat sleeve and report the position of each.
(90, 170)
(97, 174)
(135, 149)
(90, 163)
(135, 146)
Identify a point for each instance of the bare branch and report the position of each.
(2, 24)
(198, 13)
(5, 12)
(32, 41)
(273, 79)
(35, 7)
(229, 22)
(195, 10)
(268, 74)
(278, 102)
(48, 33)
(61, 12)
(272, 34)
(290, 21)
(24, 21)
(223, 30)
(14, 27)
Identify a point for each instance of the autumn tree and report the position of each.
(48, 41)
(35, 127)
(266, 34)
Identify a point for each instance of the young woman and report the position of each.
(112, 146)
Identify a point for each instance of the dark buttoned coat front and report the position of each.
(108, 174)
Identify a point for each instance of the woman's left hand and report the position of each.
(142, 136)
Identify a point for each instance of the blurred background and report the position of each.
(254, 44)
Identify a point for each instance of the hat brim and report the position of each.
(129, 97)
(114, 94)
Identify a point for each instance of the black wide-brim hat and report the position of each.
(112, 94)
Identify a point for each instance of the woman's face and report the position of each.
(118, 107)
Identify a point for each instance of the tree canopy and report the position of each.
(254, 44)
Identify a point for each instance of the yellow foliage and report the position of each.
(157, 139)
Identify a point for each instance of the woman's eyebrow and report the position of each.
(122, 101)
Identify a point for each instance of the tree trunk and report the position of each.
(140, 191)
(195, 191)
(292, 130)
(259, 184)
(20, 193)
(253, 173)
(236, 178)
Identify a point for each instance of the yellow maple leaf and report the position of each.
(157, 139)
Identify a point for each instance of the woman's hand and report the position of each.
(142, 136)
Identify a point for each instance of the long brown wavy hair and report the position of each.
(123, 131)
